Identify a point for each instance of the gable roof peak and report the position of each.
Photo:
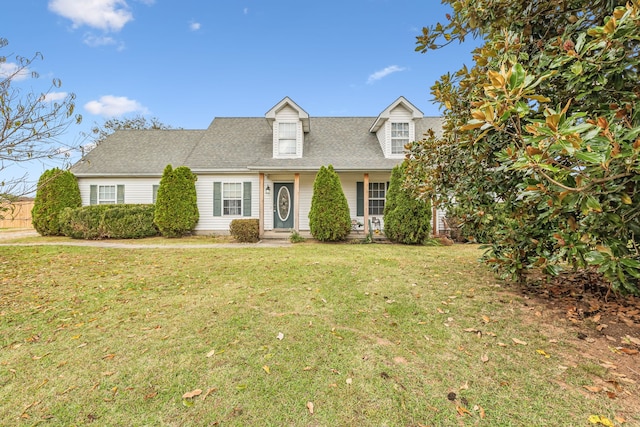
(286, 101)
(386, 114)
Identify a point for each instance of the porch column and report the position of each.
(261, 204)
(296, 202)
(366, 203)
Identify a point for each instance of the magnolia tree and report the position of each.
(542, 135)
(30, 122)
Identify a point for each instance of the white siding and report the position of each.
(204, 189)
(136, 190)
(398, 114)
(288, 115)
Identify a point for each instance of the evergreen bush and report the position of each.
(84, 222)
(329, 217)
(126, 221)
(245, 230)
(176, 212)
(407, 219)
(57, 189)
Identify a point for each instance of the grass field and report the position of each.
(304, 335)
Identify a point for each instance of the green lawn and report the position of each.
(365, 335)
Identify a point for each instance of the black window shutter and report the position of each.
(359, 198)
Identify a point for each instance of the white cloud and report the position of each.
(95, 41)
(114, 106)
(54, 96)
(194, 26)
(107, 15)
(10, 68)
(384, 73)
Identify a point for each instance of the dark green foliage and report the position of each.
(329, 217)
(540, 151)
(57, 189)
(176, 211)
(407, 219)
(245, 230)
(84, 222)
(108, 221)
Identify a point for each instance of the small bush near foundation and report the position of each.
(245, 230)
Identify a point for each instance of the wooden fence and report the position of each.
(17, 215)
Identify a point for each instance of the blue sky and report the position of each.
(187, 62)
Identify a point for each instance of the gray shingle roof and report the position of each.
(242, 144)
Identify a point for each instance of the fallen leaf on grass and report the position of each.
(188, 397)
(480, 410)
(192, 394)
(266, 369)
(209, 391)
(593, 388)
(462, 410)
(517, 341)
(108, 356)
(624, 350)
(484, 358)
(40, 357)
(630, 339)
(151, 395)
(599, 419)
(310, 407)
(211, 353)
(543, 353)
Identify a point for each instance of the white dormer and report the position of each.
(289, 123)
(395, 127)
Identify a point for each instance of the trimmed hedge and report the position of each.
(94, 222)
(245, 230)
(57, 190)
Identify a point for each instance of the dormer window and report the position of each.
(399, 137)
(289, 123)
(395, 127)
(287, 138)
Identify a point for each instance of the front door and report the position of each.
(282, 205)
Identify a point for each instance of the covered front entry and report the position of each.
(283, 205)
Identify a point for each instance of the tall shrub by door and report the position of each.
(329, 218)
(407, 219)
(176, 212)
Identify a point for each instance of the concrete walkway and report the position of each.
(130, 244)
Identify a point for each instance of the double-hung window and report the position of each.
(232, 198)
(106, 194)
(287, 138)
(377, 195)
(399, 137)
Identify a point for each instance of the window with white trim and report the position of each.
(106, 194)
(377, 196)
(287, 138)
(232, 198)
(399, 137)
